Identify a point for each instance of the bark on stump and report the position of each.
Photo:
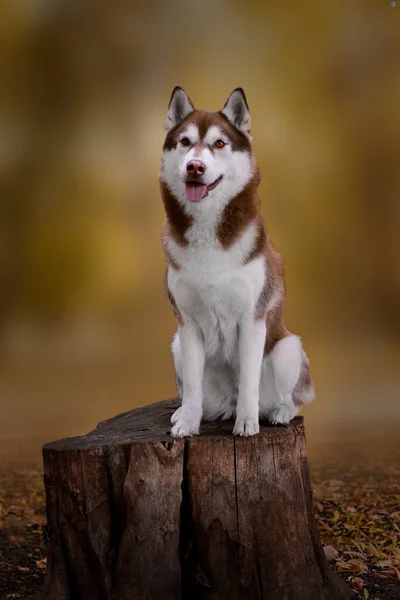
(135, 515)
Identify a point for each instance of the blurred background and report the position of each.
(84, 324)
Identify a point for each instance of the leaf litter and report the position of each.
(22, 550)
(356, 496)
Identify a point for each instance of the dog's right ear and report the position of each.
(180, 106)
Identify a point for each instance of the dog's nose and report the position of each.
(195, 168)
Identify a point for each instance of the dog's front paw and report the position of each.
(175, 416)
(281, 415)
(246, 426)
(185, 424)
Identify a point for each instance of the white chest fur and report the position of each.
(215, 290)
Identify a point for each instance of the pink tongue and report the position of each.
(195, 192)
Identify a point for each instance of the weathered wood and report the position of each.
(135, 515)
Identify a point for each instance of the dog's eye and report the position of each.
(219, 144)
(185, 141)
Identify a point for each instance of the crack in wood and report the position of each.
(273, 456)
(259, 579)
(237, 506)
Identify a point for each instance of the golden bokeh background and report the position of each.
(84, 325)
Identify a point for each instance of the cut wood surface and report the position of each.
(135, 515)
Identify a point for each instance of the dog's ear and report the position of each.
(236, 110)
(180, 106)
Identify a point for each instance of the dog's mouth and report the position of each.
(196, 191)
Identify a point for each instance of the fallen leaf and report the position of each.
(41, 564)
(342, 565)
(330, 553)
(355, 554)
(384, 563)
(357, 565)
(335, 483)
(393, 571)
(318, 494)
(357, 583)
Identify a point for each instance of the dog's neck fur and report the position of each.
(226, 222)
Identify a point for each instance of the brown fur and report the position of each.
(265, 296)
(239, 213)
(260, 244)
(266, 293)
(164, 237)
(276, 329)
(178, 221)
(171, 299)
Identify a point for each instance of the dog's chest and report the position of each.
(216, 308)
(215, 305)
(214, 289)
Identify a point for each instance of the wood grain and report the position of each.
(135, 515)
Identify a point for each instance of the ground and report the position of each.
(356, 484)
(22, 549)
(359, 523)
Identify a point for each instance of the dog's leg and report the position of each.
(177, 356)
(188, 417)
(286, 359)
(251, 350)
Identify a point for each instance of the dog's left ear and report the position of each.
(180, 106)
(236, 110)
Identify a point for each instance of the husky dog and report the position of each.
(232, 353)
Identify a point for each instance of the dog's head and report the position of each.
(207, 156)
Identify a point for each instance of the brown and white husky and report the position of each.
(233, 355)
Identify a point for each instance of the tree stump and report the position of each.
(135, 515)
